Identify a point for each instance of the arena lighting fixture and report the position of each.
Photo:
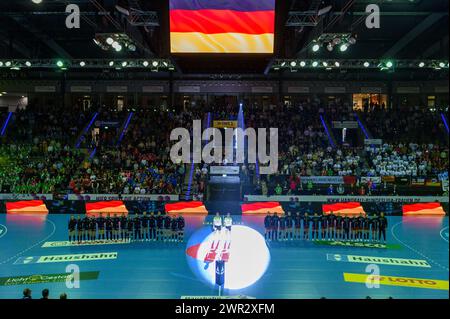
(82, 63)
(283, 63)
(343, 47)
(28, 63)
(8, 63)
(315, 63)
(442, 64)
(389, 64)
(124, 63)
(325, 64)
(293, 64)
(1, 63)
(36, 1)
(337, 64)
(302, 64)
(421, 64)
(366, 64)
(165, 64)
(110, 40)
(111, 63)
(59, 63)
(132, 47)
(316, 47)
(330, 47)
(118, 48)
(155, 63)
(145, 63)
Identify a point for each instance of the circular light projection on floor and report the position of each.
(248, 254)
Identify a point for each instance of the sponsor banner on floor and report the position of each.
(55, 244)
(398, 281)
(379, 260)
(49, 278)
(65, 258)
(337, 243)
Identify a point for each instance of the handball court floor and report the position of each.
(296, 269)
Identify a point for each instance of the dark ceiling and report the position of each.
(409, 29)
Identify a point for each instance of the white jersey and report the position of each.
(217, 221)
(228, 221)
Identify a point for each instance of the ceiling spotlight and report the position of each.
(8, 63)
(114, 44)
(82, 63)
(325, 64)
(28, 63)
(302, 63)
(337, 64)
(343, 47)
(165, 64)
(111, 63)
(36, 1)
(442, 64)
(329, 47)
(293, 64)
(421, 64)
(118, 47)
(351, 40)
(155, 63)
(389, 64)
(1, 63)
(366, 64)
(132, 47)
(124, 63)
(59, 63)
(145, 63)
(110, 40)
(315, 63)
(316, 47)
(336, 41)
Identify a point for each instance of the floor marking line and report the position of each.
(6, 231)
(440, 233)
(414, 250)
(31, 247)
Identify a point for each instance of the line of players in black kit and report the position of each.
(325, 227)
(146, 227)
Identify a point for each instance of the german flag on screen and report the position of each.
(429, 209)
(189, 208)
(262, 208)
(222, 26)
(345, 209)
(26, 207)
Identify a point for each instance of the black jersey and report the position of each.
(145, 221)
(152, 221)
(339, 222)
(174, 224)
(167, 222)
(354, 223)
(361, 221)
(306, 221)
(180, 223)
(72, 224)
(137, 222)
(289, 221)
(375, 223)
(383, 222)
(80, 225)
(324, 221)
(130, 224)
(108, 223)
(101, 223)
(275, 221)
(367, 223)
(331, 220)
(123, 222)
(298, 221)
(315, 222)
(282, 222)
(346, 223)
(86, 223)
(93, 224)
(159, 221)
(115, 222)
(267, 221)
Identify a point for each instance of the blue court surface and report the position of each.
(293, 269)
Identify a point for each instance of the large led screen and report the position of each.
(222, 26)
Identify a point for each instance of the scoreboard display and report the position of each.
(222, 26)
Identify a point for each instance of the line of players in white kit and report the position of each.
(325, 227)
(153, 227)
